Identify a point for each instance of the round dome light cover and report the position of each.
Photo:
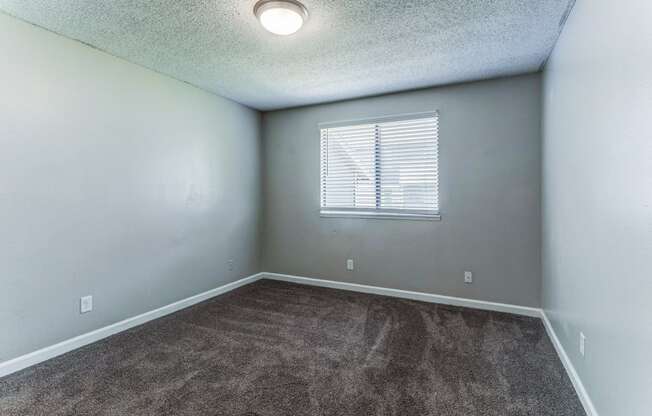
(281, 17)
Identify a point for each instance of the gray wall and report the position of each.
(490, 197)
(116, 182)
(597, 200)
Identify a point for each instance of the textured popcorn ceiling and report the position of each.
(347, 48)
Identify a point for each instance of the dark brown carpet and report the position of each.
(275, 348)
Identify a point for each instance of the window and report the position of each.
(384, 168)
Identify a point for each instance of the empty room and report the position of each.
(326, 207)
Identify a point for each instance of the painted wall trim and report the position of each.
(44, 354)
(405, 294)
(583, 395)
(32, 358)
(570, 368)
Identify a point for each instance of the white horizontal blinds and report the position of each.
(348, 167)
(386, 166)
(409, 175)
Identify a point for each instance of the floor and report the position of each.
(275, 348)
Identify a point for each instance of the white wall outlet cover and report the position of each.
(86, 304)
(349, 264)
(582, 343)
(468, 277)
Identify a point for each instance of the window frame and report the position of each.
(325, 212)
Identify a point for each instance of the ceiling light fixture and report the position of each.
(281, 17)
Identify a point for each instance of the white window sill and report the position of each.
(379, 215)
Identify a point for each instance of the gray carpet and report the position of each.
(274, 348)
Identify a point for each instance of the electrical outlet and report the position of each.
(349, 264)
(468, 277)
(229, 265)
(86, 304)
(582, 343)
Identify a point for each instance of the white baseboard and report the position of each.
(405, 294)
(52, 351)
(450, 300)
(71, 344)
(570, 368)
